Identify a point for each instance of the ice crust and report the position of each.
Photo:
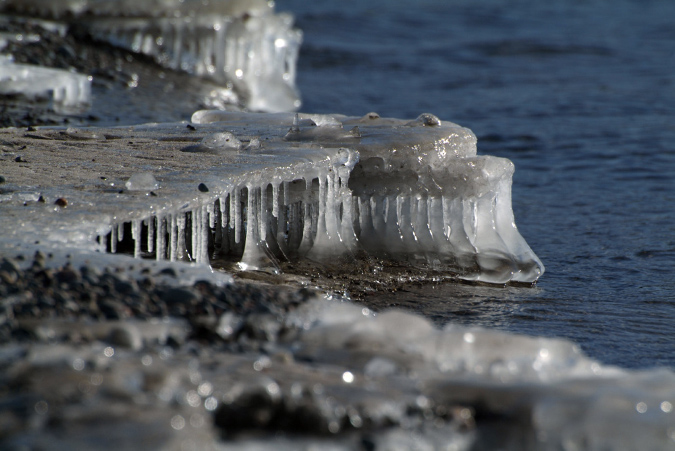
(70, 91)
(243, 45)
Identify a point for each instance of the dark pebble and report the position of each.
(178, 295)
(61, 202)
(169, 272)
(203, 188)
(2, 179)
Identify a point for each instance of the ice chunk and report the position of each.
(562, 398)
(240, 44)
(71, 92)
(143, 181)
(222, 141)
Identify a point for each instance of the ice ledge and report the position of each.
(264, 188)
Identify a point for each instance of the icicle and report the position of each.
(217, 226)
(194, 226)
(237, 215)
(262, 221)
(225, 210)
(436, 227)
(281, 207)
(209, 208)
(173, 236)
(205, 234)
(196, 233)
(161, 238)
(332, 209)
(113, 239)
(181, 222)
(275, 200)
(136, 235)
(307, 237)
(347, 220)
(120, 232)
(320, 238)
(253, 257)
(151, 234)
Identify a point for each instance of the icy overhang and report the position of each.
(261, 188)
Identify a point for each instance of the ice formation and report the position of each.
(287, 188)
(282, 187)
(70, 91)
(240, 44)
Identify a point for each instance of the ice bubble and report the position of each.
(224, 141)
(143, 181)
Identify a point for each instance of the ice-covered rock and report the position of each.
(70, 91)
(240, 44)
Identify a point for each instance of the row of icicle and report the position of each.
(321, 218)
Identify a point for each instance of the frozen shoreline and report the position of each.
(266, 366)
(279, 360)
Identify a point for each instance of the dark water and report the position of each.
(580, 95)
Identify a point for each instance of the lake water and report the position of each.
(580, 95)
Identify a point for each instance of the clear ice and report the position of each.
(241, 44)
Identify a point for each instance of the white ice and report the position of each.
(70, 91)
